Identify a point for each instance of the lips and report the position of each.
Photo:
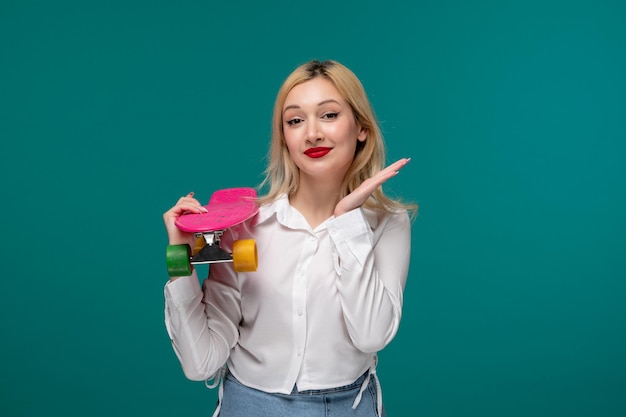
(317, 152)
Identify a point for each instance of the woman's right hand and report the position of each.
(186, 204)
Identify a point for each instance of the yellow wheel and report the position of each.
(244, 255)
(200, 243)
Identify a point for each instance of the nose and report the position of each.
(313, 131)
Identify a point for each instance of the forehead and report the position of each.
(312, 93)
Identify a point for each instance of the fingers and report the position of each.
(396, 166)
(358, 197)
(387, 173)
(188, 199)
(185, 204)
(190, 204)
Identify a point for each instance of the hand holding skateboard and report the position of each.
(227, 208)
(185, 205)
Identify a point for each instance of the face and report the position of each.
(320, 130)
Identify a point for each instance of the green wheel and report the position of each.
(177, 258)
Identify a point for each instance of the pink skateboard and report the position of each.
(227, 208)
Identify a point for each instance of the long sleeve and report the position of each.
(202, 323)
(372, 268)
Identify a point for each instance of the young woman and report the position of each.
(299, 336)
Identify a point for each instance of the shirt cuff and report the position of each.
(349, 225)
(182, 291)
(352, 240)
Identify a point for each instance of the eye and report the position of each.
(330, 115)
(294, 121)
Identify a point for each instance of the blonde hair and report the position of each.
(282, 173)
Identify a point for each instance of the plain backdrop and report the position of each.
(513, 113)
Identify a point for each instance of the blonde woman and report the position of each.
(300, 336)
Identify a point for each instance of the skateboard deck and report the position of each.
(226, 208)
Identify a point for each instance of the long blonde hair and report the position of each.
(282, 173)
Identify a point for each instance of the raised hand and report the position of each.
(360, 195)
(186, 204)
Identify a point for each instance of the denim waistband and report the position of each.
(356, 385)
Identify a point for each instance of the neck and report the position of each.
(316, 200)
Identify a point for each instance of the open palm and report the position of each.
(360, 195)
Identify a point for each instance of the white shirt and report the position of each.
(322, 302)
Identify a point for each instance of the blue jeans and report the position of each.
(241, 401)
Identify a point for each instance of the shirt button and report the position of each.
(299, 352)
(313, 238)
(300, 311)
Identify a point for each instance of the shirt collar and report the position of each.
(283, 212)
(287, 216)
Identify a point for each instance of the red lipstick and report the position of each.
(317, 152)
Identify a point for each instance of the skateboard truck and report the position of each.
(179, 258)
(211, 252)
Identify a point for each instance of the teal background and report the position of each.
(513, 113)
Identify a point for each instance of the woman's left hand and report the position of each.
(360, 195)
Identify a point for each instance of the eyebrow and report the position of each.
(321, 103)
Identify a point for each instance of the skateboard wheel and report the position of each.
(245, 255)
(200, 243)
(177, 259)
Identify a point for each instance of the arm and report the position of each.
(372, 266)
(372, 269)
(202, 323)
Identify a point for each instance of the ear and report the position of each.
(362, 135)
